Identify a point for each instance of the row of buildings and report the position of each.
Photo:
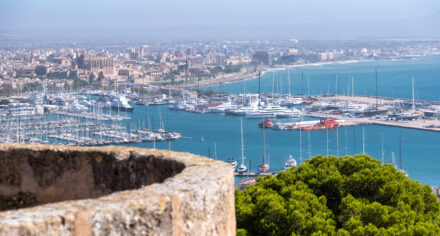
(177, 62)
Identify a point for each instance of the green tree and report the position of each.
(91, 78)
(40, 70)
(4, 102)
(352, 195)
(101, 76)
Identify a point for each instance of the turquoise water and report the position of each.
(419, 148)
(394, 79)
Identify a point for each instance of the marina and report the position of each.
(210, 123)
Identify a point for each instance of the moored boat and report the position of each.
(289, 163)
(266, 123)
(232, 162)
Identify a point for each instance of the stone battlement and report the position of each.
(53, 190)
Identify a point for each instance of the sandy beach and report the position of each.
(223, 79)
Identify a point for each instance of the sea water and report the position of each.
(393, 79)
(416, 150)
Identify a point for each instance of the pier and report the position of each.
(252, 174)
(423, 124)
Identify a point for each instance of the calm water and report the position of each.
(394, 79)
(419, 148)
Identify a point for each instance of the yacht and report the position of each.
(242, 168)
(222, 108)
(290, 102)
(265, 168)
(290, 113)
(232, 162)
(258, 114)
(121, 104)
(409, 116)
(289, 163)
(279, 126)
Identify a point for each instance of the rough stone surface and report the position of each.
(57, 190)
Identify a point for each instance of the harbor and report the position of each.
(208, 123)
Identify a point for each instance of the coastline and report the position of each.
(264, 69)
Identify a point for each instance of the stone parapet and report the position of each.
(58, 190)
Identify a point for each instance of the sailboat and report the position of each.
(393, 162)
(401, 169)
(393, 159)
(242, 168)
(292, 162)
(413, 114)
(264, 168)
(161, 128)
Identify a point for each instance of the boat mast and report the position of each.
(302, 83)
(244, 92)
(326, 128)
(352, 86)
(400, 151)
(215, 151)
(354, 140)
(308, 85)
(273, 85)
(336, 87)
(337, 140)
(376, 91)
(363, 140)
(288, 80)
(308, 145)
(244, 89)
(259, 90)
(346, 142)
(242, 143)
(393, 160)
(413, 99)
(300, 146)
(281, 84)
(264, 144)
(383, 153)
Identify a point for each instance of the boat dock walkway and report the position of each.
(251, 174)
(430, 125)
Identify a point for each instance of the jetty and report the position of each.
(252, 174)
(423, 124)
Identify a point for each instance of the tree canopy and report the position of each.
(352, 195)
(101, 76)
(40, 70)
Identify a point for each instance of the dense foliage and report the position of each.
(40, 70)
(352, 195)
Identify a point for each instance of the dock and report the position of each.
(421, 124)
(251, 174)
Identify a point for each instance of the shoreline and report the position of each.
(265, 69)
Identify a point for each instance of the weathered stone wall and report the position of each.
(53, 190)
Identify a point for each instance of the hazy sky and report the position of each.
(56, 14)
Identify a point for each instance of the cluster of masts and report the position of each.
(291, 162)
(264, 168)
(83, 127)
